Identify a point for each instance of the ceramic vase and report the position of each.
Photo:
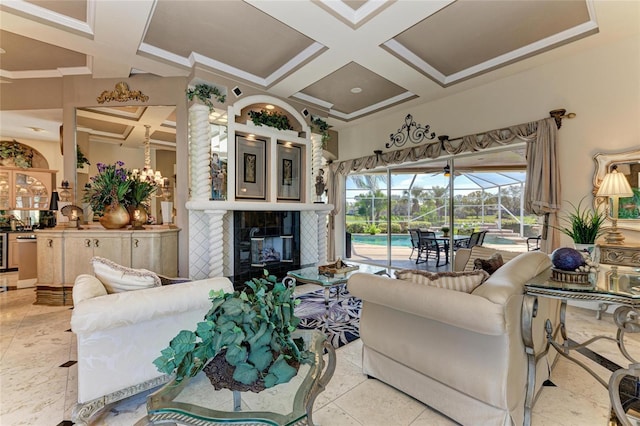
(584, 247)
(142, 215)
(115, 217)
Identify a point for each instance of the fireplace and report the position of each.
(265, 240)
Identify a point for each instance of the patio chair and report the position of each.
(533, 243)
(415, 243)
(432, 247)
(476, 239)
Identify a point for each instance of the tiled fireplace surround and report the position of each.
(211, 250)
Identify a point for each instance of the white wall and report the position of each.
(602, 86)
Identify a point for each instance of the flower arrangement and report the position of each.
(108, 188)
(140, 190)
(115, 185)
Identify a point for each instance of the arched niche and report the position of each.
(18, 154)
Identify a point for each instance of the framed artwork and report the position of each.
(289, 175)
(250, 168)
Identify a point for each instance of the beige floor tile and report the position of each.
(332, 415)
(374, 403)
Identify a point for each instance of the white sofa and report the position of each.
(119, 335)
(460, 353)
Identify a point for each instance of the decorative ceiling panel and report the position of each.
(76, 9)
(233, 34)
(336, 87)
(489, 30)
(27, 54)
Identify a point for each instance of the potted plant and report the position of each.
(583, 226)
(445, 231)
(137, 197)
(245, 335)
(106, 193)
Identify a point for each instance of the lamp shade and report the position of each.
(54, 201)
(614, 184)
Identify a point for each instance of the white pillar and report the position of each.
(216, 243)
(200, 152)
(322, 237)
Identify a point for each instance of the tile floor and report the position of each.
(38, 383)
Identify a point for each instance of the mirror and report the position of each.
(627, 163)
(110, 134)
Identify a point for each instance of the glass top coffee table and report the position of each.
(194, 401)
(310, 275)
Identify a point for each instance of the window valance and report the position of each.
(542, 189)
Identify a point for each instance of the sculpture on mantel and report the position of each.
(320, 186)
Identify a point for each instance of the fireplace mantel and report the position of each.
(208, 205)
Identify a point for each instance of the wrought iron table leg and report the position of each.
(529, 312)
(322, 381)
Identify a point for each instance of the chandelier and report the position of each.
(147, 173)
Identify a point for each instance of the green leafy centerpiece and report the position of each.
(244, 342)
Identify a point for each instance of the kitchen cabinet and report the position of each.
(26, 189)
(65, 253)
(12, 259)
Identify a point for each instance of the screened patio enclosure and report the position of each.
(381, 206)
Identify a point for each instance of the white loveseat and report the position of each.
(119, 335)
(460, 353)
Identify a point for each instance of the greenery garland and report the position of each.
(21, 154)
(81, 160)
(271, 119)
(319, 125)
(204, 93)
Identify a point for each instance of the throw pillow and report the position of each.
(490, 265)
(117, 278)
(170, 281)
(459, 281)
(481, 252)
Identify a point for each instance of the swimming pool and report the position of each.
(404, 240)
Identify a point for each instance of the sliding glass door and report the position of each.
(382, 207)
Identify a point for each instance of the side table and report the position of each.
(626, 318)
(195, 402)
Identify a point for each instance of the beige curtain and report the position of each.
(542, 189)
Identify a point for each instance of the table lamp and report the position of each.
(614, 185)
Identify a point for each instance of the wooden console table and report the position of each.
(65, 253)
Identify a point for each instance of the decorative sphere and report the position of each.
(567, 259)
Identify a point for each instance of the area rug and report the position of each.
(341, 325)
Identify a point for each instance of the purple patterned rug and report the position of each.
(342, 324)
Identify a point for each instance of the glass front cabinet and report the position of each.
(26, 189)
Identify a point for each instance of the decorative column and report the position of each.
(199, 151)
(216, 242)
(322, 237)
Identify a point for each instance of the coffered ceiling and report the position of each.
(347, 58)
